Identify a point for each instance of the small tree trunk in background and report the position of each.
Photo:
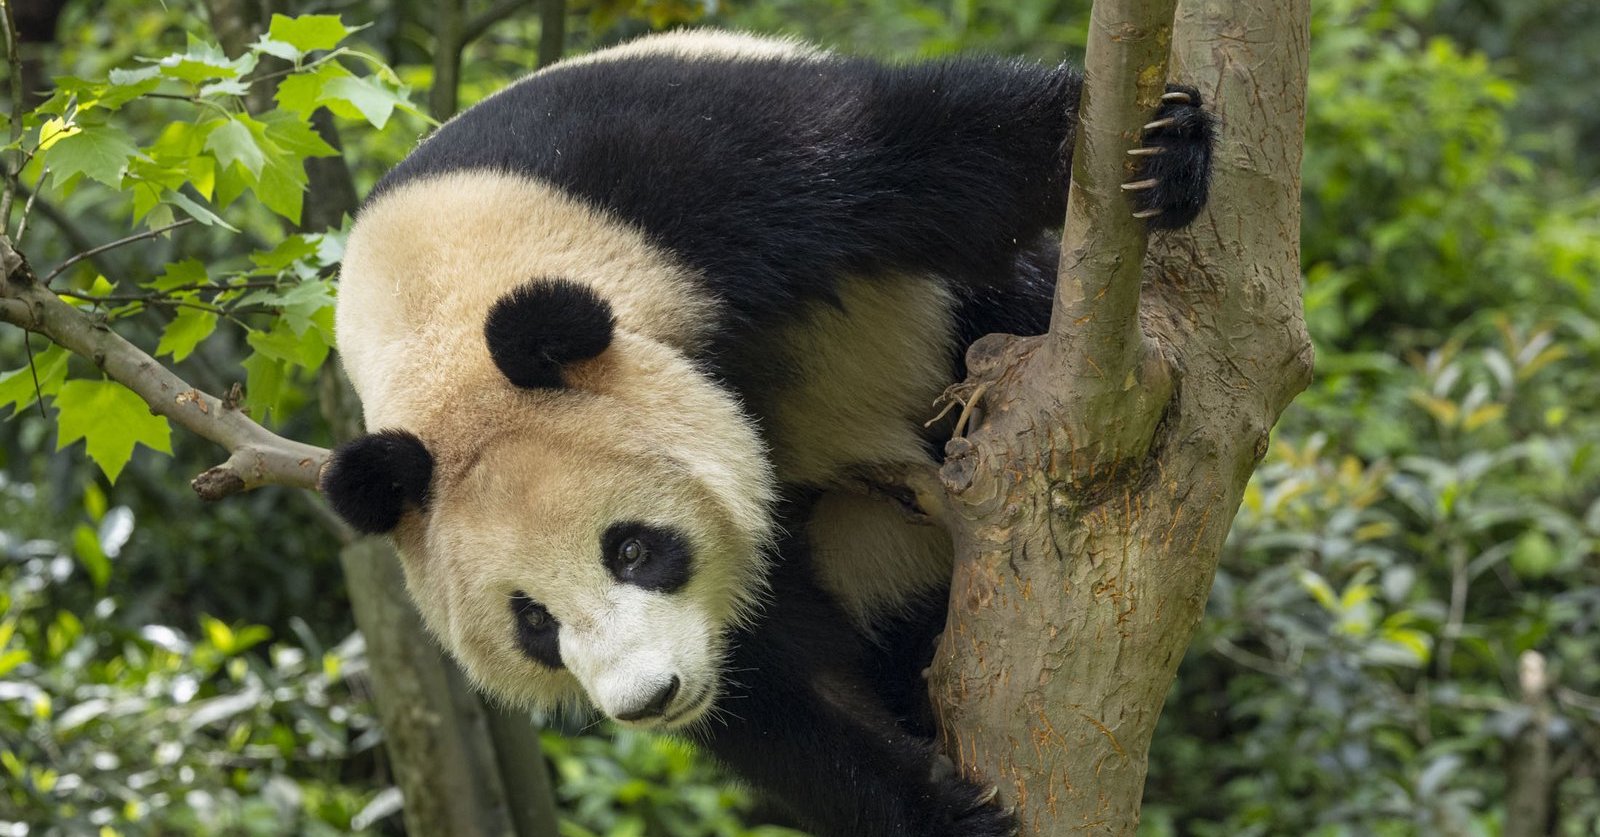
(1090, 504)
(459, 764)
(552, 31)
(1530, 773)
(448, 22)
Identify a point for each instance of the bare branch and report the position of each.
(258, 456)
(95, 251)
(480, 25)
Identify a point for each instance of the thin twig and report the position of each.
(142, 300)
(38, 391)
(15, 59)
(113, 245)
(27, 208)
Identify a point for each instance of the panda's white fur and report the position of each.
(677, 298)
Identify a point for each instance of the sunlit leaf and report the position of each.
(373, 102)
(186, 331)
(100, 152)
(308, 33)
(111, 420)
(86, 547)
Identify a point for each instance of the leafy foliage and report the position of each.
(1430, 510)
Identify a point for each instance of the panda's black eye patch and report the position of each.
(538, 632)
(653, 557)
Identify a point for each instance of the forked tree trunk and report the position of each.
(1090, 502)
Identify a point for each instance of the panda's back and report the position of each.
(774, 169)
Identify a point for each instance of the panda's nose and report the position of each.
(655, 706)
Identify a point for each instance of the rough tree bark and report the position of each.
(1090, 503)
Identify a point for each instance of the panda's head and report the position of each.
(586, 518)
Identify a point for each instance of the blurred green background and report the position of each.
(1429, 511)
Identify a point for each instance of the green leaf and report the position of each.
(185, 332)
(1319, 589)
(110, 419)
(234, 142)
(301, 93)
(178, 275)
(226, 87)
(1534, 555)
(292, 133)
(16, 386)
(126, 78)
(205, 62)
(263, 386)
(308, 33)
(287, 252)
(277, 49)
(282, 188)
(197, 211)
(373, 102)
(299, 304)
(303, 348)
(100, 152)
(217, 633)
(86, 546)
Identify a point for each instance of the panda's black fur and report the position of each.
(772, 177)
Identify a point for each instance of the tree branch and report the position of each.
(1089, 503)
(112, 245)
(1099, 354)
(258, 456)
(479, 26)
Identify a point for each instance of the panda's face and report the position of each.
(551, 568)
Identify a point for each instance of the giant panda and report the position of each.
(629, 332)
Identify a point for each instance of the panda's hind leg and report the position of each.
(1173, 173)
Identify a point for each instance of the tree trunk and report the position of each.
(1090, 504)
(460, 765)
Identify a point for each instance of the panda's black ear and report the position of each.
(371, 480)
(541, 326)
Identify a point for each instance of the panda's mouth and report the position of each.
(691, 709)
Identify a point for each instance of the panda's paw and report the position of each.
(1173, 166)
(974, 810)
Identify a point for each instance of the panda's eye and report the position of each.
(535, 617)
(537, 631)
(644, 555)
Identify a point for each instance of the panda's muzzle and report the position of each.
(655, 705)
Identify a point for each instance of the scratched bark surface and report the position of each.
(1091, 501)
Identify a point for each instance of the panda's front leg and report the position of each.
(800, 722)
